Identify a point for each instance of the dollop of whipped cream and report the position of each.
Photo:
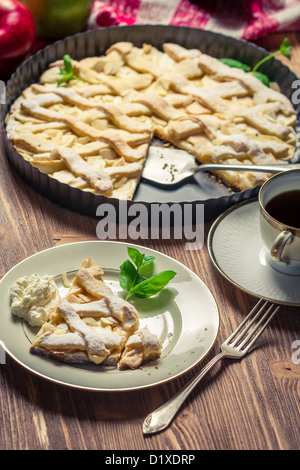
(34, 298)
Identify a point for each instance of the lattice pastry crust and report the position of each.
(94, 133)
(93, 325)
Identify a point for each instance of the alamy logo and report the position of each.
(295, 98)
(158, 221)
(2, 354)
(2, 93)
(296, 353)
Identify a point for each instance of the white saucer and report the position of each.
(236, 248)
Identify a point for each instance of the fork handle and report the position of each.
(269, 168)
(162, 417)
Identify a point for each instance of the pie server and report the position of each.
(167, 167)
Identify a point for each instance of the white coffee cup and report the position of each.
(281, 240)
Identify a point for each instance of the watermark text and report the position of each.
(156, 222)
(2, 92)
(296, 353)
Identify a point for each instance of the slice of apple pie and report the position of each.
(93, 325)
(94, 132)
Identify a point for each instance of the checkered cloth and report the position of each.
(248, 20)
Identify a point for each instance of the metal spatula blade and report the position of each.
(167, 167)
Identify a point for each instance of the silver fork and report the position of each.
(236, 346)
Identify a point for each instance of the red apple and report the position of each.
(17, 35)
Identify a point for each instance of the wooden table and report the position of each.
(247, 404)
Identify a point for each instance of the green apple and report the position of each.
(56, 19)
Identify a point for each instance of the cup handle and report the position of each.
(284, 238)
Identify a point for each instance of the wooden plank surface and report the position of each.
(248, 404)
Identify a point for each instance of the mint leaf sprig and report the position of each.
(68, 71)
(235, 64)
(285, 49)
(132, 280)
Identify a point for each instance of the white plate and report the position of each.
(236, 248)
(186, 322)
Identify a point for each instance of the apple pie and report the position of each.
(94, 131)
(92, 324)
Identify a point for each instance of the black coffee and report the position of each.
(285, 208)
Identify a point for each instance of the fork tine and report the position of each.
(267, 321)
(241, 325)
(255, 313)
